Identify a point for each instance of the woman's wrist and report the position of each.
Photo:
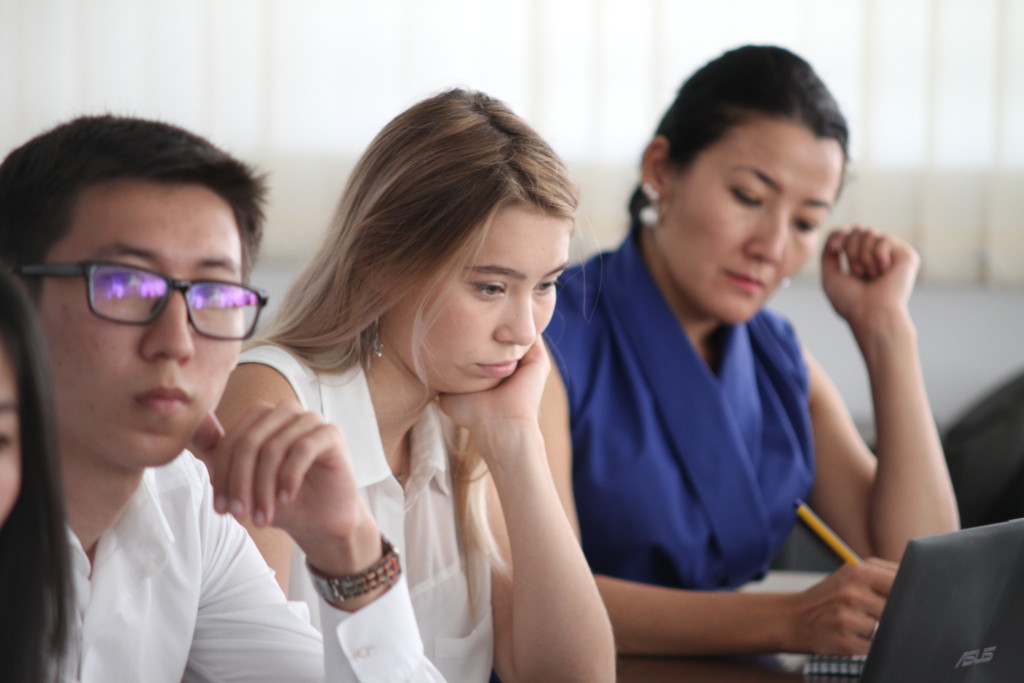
(790, 618)
(510, 443)
(884, 331)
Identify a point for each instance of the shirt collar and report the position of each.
(429, 450)
(142, 531)
(346, 400)
(141, 534)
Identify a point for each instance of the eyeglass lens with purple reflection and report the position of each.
(216, 308)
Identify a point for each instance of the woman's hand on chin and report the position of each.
(511, 405)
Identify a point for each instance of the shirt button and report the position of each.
(363, 653)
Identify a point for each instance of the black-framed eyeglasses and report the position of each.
(124, 294)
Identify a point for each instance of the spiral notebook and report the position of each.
(954, 614)
(834, 665)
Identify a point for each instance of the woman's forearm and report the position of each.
(652, 620)
(560, 628)
(912, 495)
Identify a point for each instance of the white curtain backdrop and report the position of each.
(933, 89)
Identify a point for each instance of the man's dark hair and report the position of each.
(41, 181)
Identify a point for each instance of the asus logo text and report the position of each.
(972, 657)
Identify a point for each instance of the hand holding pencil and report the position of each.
(838, 615)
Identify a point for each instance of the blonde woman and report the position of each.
(416, 331)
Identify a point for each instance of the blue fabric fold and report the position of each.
(682, 477)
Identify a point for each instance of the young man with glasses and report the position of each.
(136, 239)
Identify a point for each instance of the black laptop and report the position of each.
(956, 611)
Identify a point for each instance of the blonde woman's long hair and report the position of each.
(417, 207)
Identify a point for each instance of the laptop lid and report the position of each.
(956, 610)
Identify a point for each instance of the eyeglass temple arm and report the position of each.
(50, 269)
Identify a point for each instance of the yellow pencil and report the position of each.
(824, 533)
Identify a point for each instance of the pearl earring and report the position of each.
(649, 214)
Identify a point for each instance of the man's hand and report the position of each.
(288, 468)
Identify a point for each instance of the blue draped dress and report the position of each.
(683, 477)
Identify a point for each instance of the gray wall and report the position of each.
(969, 338)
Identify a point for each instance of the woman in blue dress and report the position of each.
(685, 418)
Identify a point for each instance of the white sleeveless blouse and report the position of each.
(419, 520)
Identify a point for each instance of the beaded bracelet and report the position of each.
(338, 589)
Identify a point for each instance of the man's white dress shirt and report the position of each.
(178, 592)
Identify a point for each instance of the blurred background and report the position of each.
(933, 90)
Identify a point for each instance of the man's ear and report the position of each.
(656, 168)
